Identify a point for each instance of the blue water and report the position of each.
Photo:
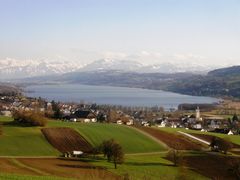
(113, 95)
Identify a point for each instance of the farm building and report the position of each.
(85, 116)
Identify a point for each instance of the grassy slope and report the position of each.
(131, 140)
(27, 177)
(23, 141)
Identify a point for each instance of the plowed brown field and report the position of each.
(212, 166)
(66, 140)
(68, 168)
(209, 138)
(175, 141)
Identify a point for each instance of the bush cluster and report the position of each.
(30, 118)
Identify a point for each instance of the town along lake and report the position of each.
(113, 95)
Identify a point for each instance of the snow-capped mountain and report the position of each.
(111, 64)
(171, 67)
(12, 68)
(134, 66)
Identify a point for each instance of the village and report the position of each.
(202, 117)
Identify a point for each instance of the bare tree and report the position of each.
(113, 151)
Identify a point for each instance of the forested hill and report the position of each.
(9, 89)
(219, 82)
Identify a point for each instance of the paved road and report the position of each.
(195, 138)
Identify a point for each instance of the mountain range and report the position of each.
(15, 69)
(189, 78)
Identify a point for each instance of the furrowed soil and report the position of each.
(10, 166)
(172, 140)
(68, 168)
(214, 166)
(66, 140)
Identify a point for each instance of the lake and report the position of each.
(113, 95)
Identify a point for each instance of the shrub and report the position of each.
(30, 118)
(221, 145)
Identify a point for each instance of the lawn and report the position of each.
(23, 141)
(131, 140)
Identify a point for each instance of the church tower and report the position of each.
(198, 116)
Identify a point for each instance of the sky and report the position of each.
(148, 31)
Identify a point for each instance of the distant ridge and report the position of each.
(15, 69)
(229, 71)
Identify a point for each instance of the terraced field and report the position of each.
(145, 158)
(131, 140)
(66, 139)
(173, 140)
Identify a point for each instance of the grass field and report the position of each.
(23, 141)
(6, 176)
(150, 166)
(29, 141)
(131, 140)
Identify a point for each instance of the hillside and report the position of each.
(9, 89)
(219, 82)
(23, 141)
(131, 140)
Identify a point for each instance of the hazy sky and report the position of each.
(149, 31)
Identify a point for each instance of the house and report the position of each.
(145, 123)
(6, 113)
(230, 133)
(85, 116)
(197, 126)
(130, 122)
(163, 124)
(119, 121)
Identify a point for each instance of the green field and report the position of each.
(131, 140)
(23, 141)
(29, 141)
(150, 166)
(27, 177)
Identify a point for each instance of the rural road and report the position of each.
(195, 138)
